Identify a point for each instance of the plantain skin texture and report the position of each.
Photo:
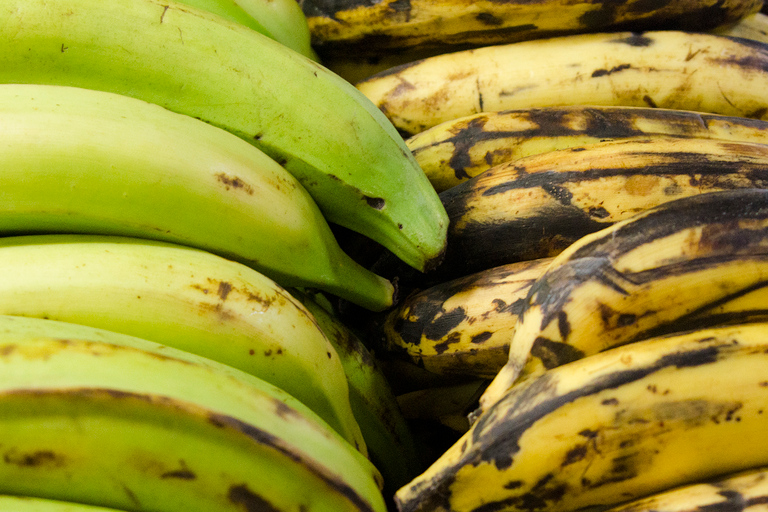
(457, 150)
(691, 263)
(671, 69)
(537, 206)
(462, 327)
(366, 28)
(610, 428)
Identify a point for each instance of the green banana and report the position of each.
(610, 428)
(77, 160)
(462, 326)
(376, 28)
(650, 274)
(455, 151)
(281, 20)
(340, 147)
(284, 20)
(388, 438)
(661, 69)
(181, 297)
(141, 426)
(746, 490)
(537, 206)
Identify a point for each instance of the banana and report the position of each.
(387, 435)
(229, 10)
(376, 28)
(284, 20)
(661, 69)
(610, 428)
(142, 426)
(753, 27)
(181, 297)
(647, 275)
(462, 326)
(537, 206)
(340, 147)
(744, 491)
(281, 20)
(455, 151)
(77, 160)
(32, 504)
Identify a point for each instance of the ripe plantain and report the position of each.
(661, 69)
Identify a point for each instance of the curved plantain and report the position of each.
(462, 326)
(184, 298)
(610, 428)
(142, 426)
(364, 28)
(538, 206)
(340, 147)
(661, 69)
(455, 151)
(77, 160)
(656, 272)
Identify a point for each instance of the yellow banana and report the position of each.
(98, 418)
(78, 160)
(744, 491)
(753, 27)
(609, 428)
(647, 275)
(537, 206)
(388, 438)
(462, 326)
(455, 151)
(376, 28)
(663, 69)
(338, 145)
(181, 297)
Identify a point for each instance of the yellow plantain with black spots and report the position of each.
(462, 326)
(457, 150)
(738, 492)
(661, 69)
(609, 428)
(537, 206)
(364, 27)
(669, 269)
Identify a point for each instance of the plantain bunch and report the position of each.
(603, 167)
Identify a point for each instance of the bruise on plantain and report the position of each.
(423, 315)
(243, 497)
